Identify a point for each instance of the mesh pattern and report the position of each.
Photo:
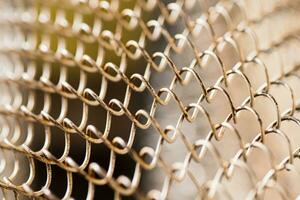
(57, 52)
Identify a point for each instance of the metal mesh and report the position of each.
(71, 74)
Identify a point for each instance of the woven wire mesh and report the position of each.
(150, 99)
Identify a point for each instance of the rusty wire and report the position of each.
(26, 44)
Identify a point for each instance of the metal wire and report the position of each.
(35, 48)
